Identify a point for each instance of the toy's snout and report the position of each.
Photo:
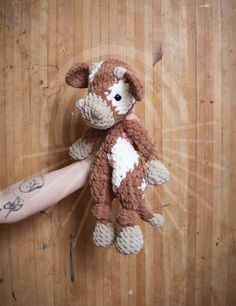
(96, 112)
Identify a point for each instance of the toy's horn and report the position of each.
(79, 104)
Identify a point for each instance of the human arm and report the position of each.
(35, 194)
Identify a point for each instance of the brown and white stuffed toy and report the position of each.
(118, 170)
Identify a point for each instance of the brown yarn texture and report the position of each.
(92, 135)
(77, 76)
(141, 138)
(129, 192)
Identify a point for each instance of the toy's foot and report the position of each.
(104, 234)
(157, 220)
(130, 240)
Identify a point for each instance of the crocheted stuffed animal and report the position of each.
(118, 171)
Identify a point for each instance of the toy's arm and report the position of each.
(82, 148)
(156, 172)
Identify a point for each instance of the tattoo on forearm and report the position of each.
(13, 205)
(32, 184)
(15, 197)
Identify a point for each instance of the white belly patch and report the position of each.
(123, 158)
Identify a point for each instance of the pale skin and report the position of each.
(36, 194)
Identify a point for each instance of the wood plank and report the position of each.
(3, 152)
(8, 260)
(219, 252)
(130, 58)
(157, 137)
(52, 90)
(188, 197)
(228, 150)
(149, 124)
(25, 230)
(171, 118)
(200, 24)
(139, 46)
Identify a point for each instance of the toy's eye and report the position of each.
(117, 97)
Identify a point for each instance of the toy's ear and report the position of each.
(77, 76)
(135, 86)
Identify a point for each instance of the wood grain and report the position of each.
(185, 53)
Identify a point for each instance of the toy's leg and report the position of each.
(100, 186)
(154, 219)
(130, 238)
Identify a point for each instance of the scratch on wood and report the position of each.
(63, 48)
(13, 295)
(164, 205)
(1, 279)
(157, 56)
(22, 48)
(72, 267)
(205, 5)
(64, 270)
(43, 212)
(52, 66)
(7, 67)
(46, 245)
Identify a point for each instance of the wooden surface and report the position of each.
(189, 109)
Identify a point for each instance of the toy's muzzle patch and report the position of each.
(96, 112)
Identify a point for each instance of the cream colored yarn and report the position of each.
(80, 149)
(156, 172)
(104, 234)
(129, 240)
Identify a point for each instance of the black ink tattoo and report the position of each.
(32, 184)
(13, 205)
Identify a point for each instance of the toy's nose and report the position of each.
(96, 114)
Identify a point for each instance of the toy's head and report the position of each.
(113, 89)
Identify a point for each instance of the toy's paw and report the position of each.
(80, 149)
(129, 240)
(157, 220)
(156, 173)
(104, 234)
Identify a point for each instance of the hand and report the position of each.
(156, 173)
